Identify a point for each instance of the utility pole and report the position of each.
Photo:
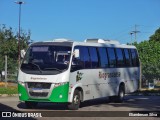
(19, 24)
(5, 70)
(135, 33)
(131, 33)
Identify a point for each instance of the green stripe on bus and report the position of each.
(23, 93)
(60, 93)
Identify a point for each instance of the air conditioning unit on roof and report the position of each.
(62, 40)
(102, 41)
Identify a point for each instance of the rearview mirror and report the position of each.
(23, 52)
(76, 53)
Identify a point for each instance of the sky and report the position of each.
(82, 19)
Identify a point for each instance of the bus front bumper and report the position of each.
(58, 94)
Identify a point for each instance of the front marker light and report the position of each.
(21, 83)
(19, 94)
(60, 96)
(59, 84)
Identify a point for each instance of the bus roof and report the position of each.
(87, 42)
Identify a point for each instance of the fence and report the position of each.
(150, 84)
(145, 83)
(11, 77)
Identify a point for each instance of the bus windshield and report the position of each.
(46, 60)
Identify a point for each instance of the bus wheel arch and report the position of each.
(77, 98)
(81, 93)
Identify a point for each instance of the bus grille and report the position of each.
(43, 88)
(36, 94)
(39, 85)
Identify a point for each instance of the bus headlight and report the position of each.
(21, 83)
(59, 84)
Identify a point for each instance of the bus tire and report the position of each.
(31, 104)
(111, 99)
(121, 94)
(75, 101)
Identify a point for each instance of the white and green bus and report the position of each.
(64, 71)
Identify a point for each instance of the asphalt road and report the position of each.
(131, 103)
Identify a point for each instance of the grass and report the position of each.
(10, 89)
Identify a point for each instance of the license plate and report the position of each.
(37, 90)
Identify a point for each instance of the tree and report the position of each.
(155, 36)
(149, 52)
(9, 46)
(149, 56)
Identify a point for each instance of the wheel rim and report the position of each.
(76, 99)
(121, 95)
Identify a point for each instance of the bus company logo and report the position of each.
(79, 76)
(109, 75)
(38, 78)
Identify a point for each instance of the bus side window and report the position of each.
(80, 61)
(85, 57)
(120, 60)
(112, 57)
(137, 58)
(77, 63)
(128, 61)
(103, 57)
(134, 60)
(93, 57)
(83, 61)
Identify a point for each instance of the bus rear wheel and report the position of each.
(75, 101)
(121, 94)
(120, 97)
(31, 104)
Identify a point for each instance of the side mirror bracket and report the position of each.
(76, 53)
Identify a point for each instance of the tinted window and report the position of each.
(77, 63)
(84, 54)
(135, 59)
(112, 57)
(120, 60)
(93, 57)
(103, 57)
(83, 61)
(46, 59)
(128, 61)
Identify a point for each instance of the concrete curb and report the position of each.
(8, 95)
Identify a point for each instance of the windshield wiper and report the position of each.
(36, 66)
(53, 69)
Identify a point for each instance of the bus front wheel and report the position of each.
(75, 101)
